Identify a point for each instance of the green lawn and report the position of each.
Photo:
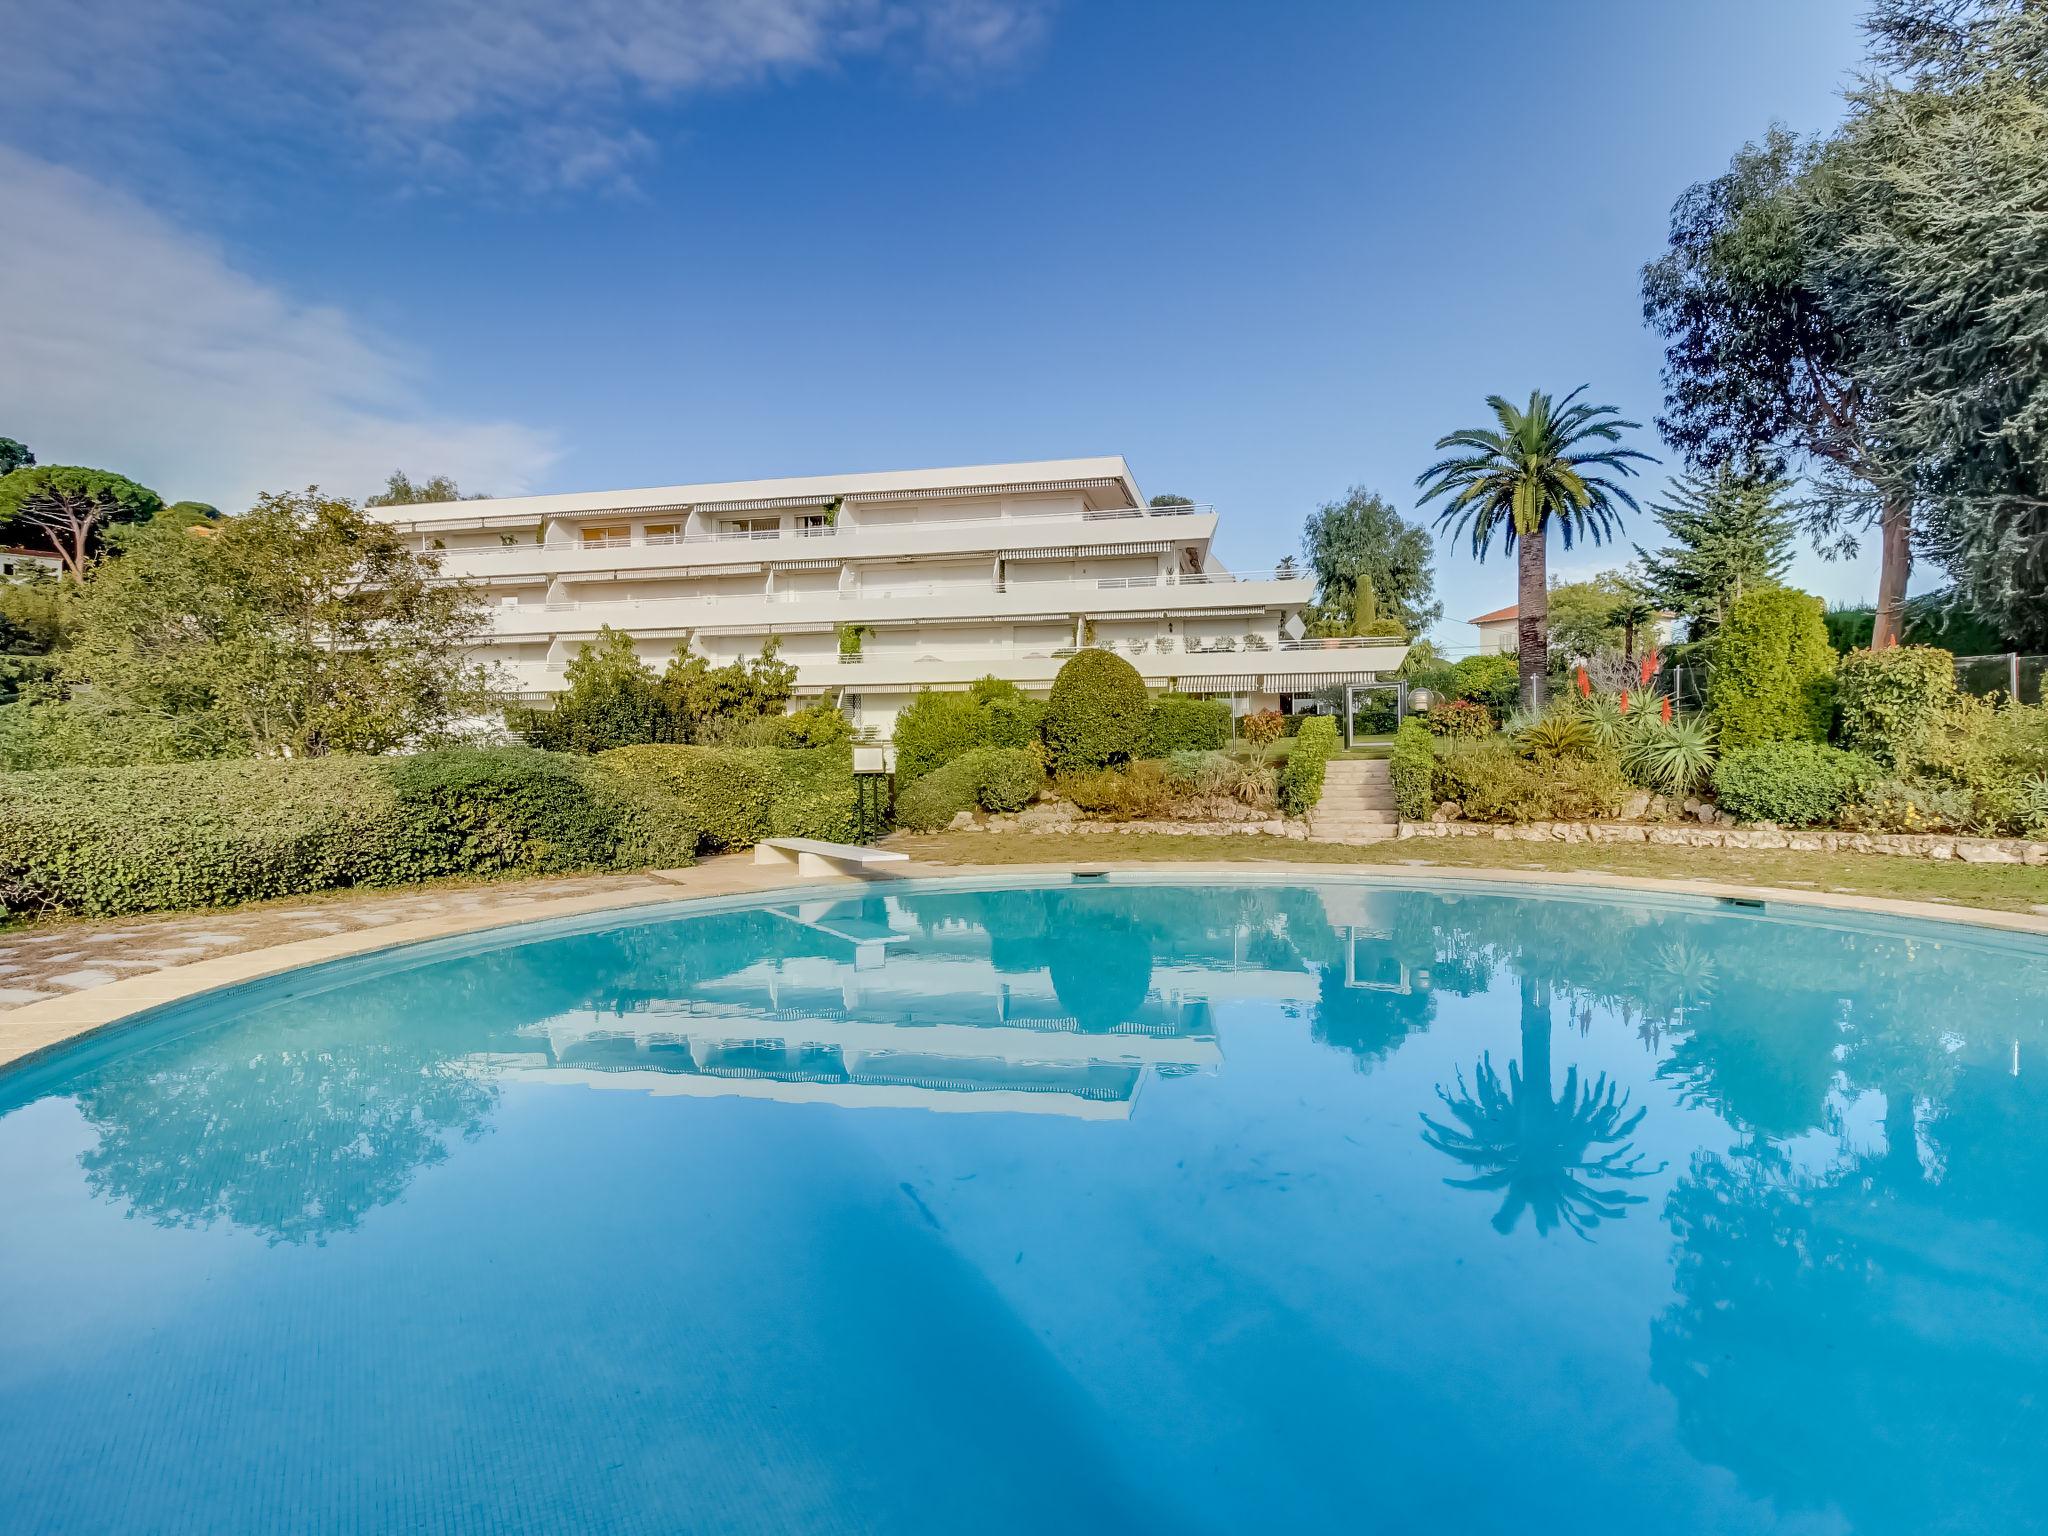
(2002, 887)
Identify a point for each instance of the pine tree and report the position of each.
(1729, 533)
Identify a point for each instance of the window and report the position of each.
(606, 538)
(664, 533)
(752, 527)
(811, 522)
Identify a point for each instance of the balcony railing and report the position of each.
(975, 589)
(771, 535)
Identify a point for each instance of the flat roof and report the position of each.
(1049, 473)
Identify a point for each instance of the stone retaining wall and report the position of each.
(1971, 850)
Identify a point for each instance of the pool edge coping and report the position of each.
(36, 1028)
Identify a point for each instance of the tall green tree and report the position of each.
(14, 455)
(1541, 467)
(1727, 532)
(1940, 164)
(400, 491)
(299, 628)
(72, 507)
(1370, 564)
(1767, 326)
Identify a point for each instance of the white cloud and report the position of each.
(528, 91)
(132, 344)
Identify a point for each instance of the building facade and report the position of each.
(879, 585)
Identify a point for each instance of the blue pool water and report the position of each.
(1124, 1208)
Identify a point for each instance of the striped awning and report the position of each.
(829, 564)
(762, 504)
(773, 629)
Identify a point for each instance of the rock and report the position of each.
(1692, 806)
(1636, 806)
(1985, 853)
(964, 821)
(1450, 810)
(1054, 813)
(1706, 813)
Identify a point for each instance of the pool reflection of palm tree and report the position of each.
(1566, 1159)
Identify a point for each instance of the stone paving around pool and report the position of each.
(38, 963)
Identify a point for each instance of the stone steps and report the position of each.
(1357, 804)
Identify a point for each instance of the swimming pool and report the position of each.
(1250, 1205)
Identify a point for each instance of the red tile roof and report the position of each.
(1499, 615)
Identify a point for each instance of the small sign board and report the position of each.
(874, 759)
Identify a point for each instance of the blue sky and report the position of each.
(1264, 252)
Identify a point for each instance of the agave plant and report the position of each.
(1671, 757)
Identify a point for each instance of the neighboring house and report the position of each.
(16, 563)
(878, 585)
(1497, 631)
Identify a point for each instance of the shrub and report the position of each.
(1300, 786)
(1184, 724)
(739, 795)
(1988, 751)
(1264, 728)
(1458, 717)
(1009, 777)
(930, 803)
(1891, 700)
(1220, 776)
(1122, 794)
(1491, 781)
(117, 840)
(2033, 803)
(933, 729)
(818, 724)
(1773, 677)
(1412, 769)
(1097, 714)
(1495, 681)
(1894, 805)
(1793, 783)
(1673, 757)
(1318, 733)
(988, 778)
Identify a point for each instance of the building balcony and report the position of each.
(1285, 667)
(1105, 598)
(1135, 530)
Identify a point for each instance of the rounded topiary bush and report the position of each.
(1793, 783)
(1318, 733)
(1098, 714)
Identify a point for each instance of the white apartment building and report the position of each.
(879, 585)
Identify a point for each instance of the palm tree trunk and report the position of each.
(1532, 616)
(1895, 564)
(1536, 1037)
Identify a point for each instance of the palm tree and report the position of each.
(1536, 470)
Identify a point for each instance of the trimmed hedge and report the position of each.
(1301, 781)
(988, 778)
(1411, 768)
(1318, 733)
(1097, 715)
(739, 795)
(1774, 670)
(117, 840)
(1891, 700)
(1793, 783)
(935, 728)
(1181, 723)
(1491, 781)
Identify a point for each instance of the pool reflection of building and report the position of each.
(892, 1014)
